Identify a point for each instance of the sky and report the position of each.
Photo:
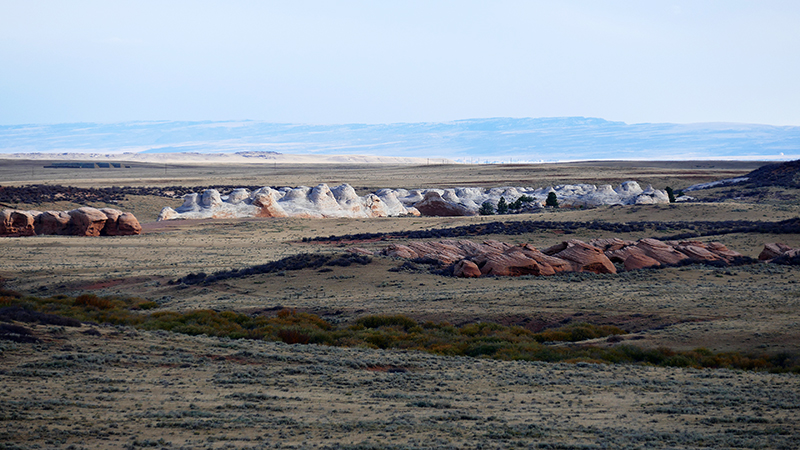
(333, 62)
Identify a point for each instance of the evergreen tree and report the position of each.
(517, 204)
(552, 200)
(486, 209)
(502, 206)
(670, 194)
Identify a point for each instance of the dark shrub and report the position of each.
(93, 300)
(386, 321)
(291, 336)
(24, 315)
(16, 333)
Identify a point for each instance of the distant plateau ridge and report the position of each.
(491, 140)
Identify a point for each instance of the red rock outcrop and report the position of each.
(610, 244)
(52, 222)
(661, 251)
(466, 269)
(16, 223)
(695, 250)
(582, 256)
(721, 250)
(778, 252)
(87, 221)
(773, 250)
(471, 259)
(400, 251)
(654, 253)
(512, 264)
(120, 223)
(632, 258)
(558, 264)
(84, 221)
(434, 205)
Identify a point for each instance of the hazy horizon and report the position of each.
(477, 140)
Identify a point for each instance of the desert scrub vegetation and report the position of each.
(482, 339)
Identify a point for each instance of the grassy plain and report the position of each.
(127, 388)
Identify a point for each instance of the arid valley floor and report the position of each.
(105, 386)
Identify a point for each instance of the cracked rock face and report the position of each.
(322, 201)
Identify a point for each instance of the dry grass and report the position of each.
(133, 389)
(128, 389)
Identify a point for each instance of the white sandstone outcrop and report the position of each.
(322, 201)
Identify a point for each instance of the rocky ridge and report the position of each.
(323, 201)
(471, 259)
(85, 221)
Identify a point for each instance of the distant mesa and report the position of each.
(84, 221)
(322, 201)
(254, 154)
(470, 259)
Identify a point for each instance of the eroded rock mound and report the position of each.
(773, 250)
(120, 223)
(84, 221)
(780, 253)
(582, 256)
(322, 201)
(434, 205)
(16, 223)
(472, 259)
(87, 221)
(53, 222)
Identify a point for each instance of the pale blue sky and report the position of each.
(399, 61)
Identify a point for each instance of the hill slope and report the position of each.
(780, 175)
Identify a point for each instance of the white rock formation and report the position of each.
(302, 201)
(322, 201)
